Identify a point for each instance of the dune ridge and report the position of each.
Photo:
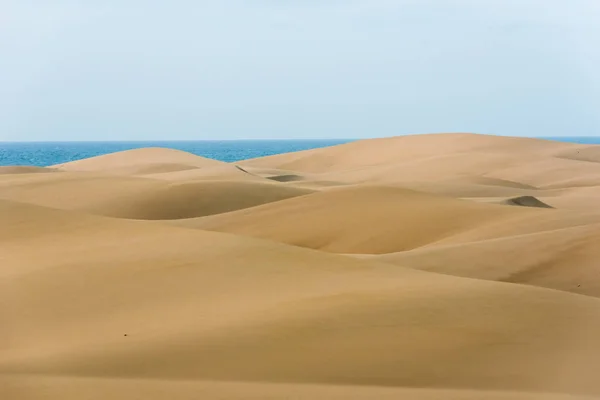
(436, 266)
(358, 219)
(137, 161)
(143, 198)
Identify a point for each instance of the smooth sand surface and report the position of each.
(442, 266)
(367, 219)
(140, 161)
(24, 169)
(142, 198)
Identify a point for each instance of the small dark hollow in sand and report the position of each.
(526, 201)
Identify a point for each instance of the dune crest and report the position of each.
(139, 161)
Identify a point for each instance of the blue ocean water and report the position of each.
(49, 153)
(43, 154)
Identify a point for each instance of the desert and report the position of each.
(430, 266)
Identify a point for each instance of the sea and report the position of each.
(43, 154)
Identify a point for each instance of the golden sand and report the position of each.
(442, 266)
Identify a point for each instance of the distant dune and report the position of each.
(440, 266)
(9, 170)
(140, 161)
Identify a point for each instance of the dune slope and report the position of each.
(361, 219)
(405, 148)
(24, 169)
(76, 388)
(239, 309)
(543, 164)
(141, 198)
(564, 259)
(140, 161)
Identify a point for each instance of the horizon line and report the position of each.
(177, 140)
(249, 140)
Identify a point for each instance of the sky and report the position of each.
(278, 69)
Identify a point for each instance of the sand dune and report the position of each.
(138, 198)
(155, 273)
(532, 162)
(564, 259)
(472, 187)
(24, 169)
(70, 190)
(579, 198)
(245, 310)
(553, 173)
(581, 153)
(378, 219)
(153, 169)
(196, 199)
(386, 151)
(218, 172)
(361, 219)
(403, 148)
(278, 175)
(137, 161)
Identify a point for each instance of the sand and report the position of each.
(441, 266)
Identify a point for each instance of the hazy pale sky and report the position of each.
(242, 69)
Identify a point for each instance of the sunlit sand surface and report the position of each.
(441, 266)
